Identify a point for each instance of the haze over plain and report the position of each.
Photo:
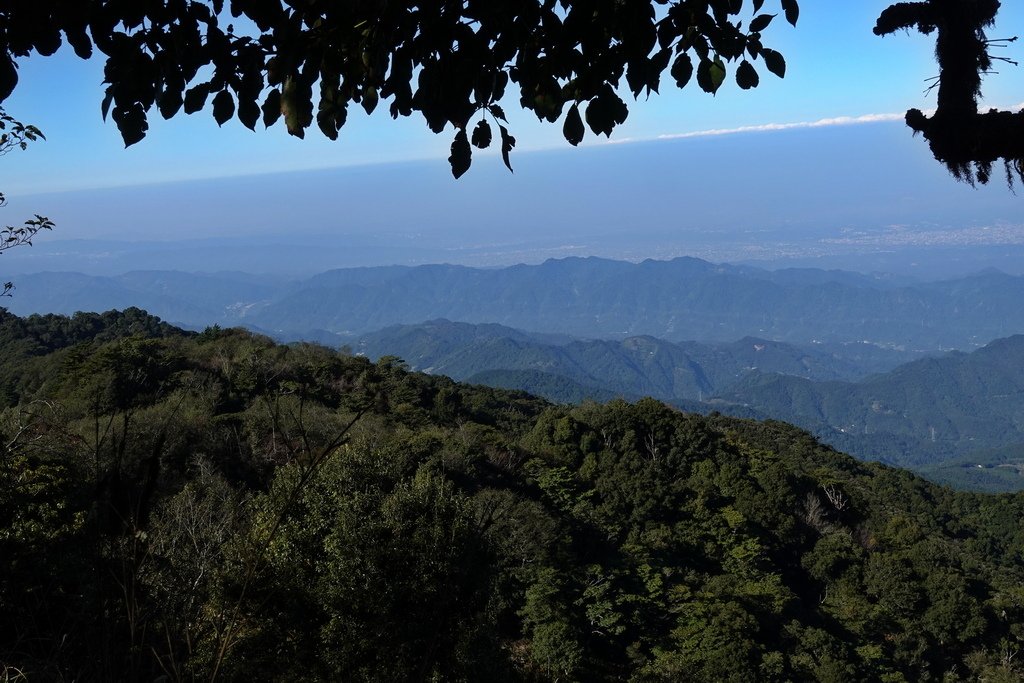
(822, 166)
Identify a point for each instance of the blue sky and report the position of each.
(837, 69)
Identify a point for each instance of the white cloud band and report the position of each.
(820, 123)
(765, 127)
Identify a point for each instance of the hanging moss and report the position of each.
(967, 141)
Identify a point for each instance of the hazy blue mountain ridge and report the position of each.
(592, 298)
(192, 299)
(677, 300)
(635, 366)
(925, 411)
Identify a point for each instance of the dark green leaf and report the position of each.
(500, 82)
(248, 112)
(483, 87)
(700, 46)
(195, 97)
(666, 33)
(131, 122)
(682, 69)
(774, 61)
(507, 143)
(8, 76)
(760, 22)
(754, 47)
(606, 111)
(223, 107)
(497, 112)
(482, 135)
(271, 108)
(169, 102)
(792, 10)
(548, 102)
(370, 100)
(48, 42)
(658, 63)
(79, 40)
(108, 98)
(573, 129)
(746, 76)
(296, 106)
(717, 72)
(710, 75)
(325, 121)
(462, 154)
(636, 76)
(331, 117)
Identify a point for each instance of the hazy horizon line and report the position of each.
(707, 133)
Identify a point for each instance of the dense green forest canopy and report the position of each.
(216, 505)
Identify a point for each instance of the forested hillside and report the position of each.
(941, 414)
(923, 412)
(219, 506)
(641, 366)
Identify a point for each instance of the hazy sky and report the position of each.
(837, 69)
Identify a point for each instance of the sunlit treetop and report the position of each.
(451, 62)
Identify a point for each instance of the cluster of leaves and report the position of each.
(218, 506)
(16, 135)
(967, 141)
(450, 62)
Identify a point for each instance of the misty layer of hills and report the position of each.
(678, 300)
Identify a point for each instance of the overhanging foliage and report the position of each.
(451, 62)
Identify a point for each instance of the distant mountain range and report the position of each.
(678, 300)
